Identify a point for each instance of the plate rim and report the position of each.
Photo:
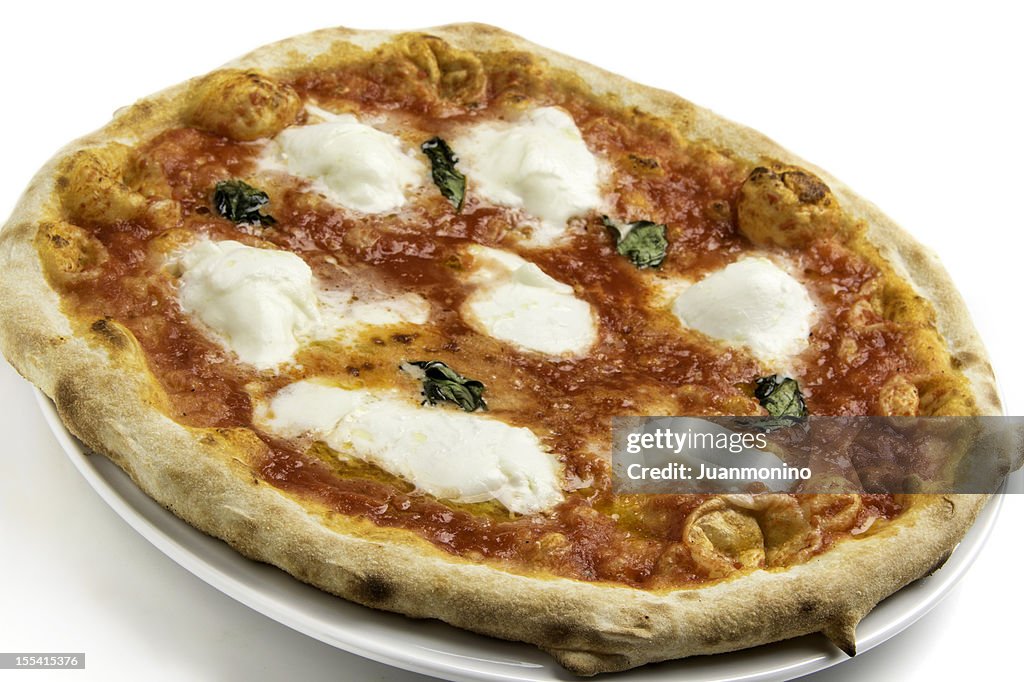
(886, 620)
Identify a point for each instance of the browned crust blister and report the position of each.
(96, 374)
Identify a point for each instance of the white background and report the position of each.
(917, 107)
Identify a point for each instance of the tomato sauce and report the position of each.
(641, 364)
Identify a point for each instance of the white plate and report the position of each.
(433, 648)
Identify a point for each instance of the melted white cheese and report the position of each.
(351, 163)
(257, 301)
(752, 303)
(450, 454)
(342, 309)
(517, 302)
(263, 304)
(539, 163)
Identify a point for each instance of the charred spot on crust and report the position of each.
(808, 189)
(374, 589)
(644, 162)
(786, 206)
(807, 607)
(72, 406)
(558, 634)
(68, 252)
(109, 332)
(65, 395)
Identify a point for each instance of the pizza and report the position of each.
(364, 304)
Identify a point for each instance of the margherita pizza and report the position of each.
(364, 304)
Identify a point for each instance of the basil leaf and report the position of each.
(782, 398)
(240, 203)
(644, 242)
(441, 383)
(451, 182)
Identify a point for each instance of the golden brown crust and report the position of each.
(97, 376)
(243, 105)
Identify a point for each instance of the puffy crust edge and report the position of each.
(105, 395)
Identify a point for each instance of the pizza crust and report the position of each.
(97, 376)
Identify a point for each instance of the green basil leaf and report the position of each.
(451, 182)
(240, 203)
(441, 383)
(644, 242)
(782, 398)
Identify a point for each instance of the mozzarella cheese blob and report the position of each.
(517, 302)
(352, 164)
(258, 301)
(263, 304)
(752, 303)
(539, 163)
(448, 453)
